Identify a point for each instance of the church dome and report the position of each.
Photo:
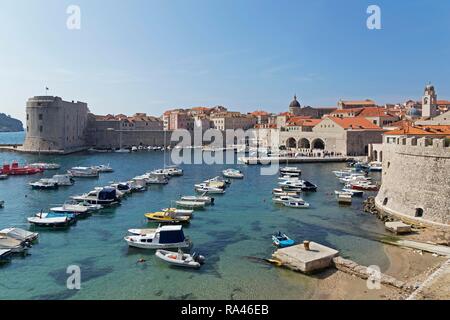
(294, 104)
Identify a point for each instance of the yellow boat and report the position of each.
(166, 217)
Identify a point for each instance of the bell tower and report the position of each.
(429, 102)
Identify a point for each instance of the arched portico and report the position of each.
(318, 144)
(304, 144)
(291, 143)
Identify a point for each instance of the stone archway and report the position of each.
(291, 143)
(318, 144)
(304, 144)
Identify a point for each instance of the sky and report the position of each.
(153, 55)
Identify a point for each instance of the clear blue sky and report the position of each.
(151, 55)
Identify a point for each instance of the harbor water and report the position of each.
(234, 234)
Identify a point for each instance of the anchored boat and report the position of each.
(180, 259)
(233, 174)
(83, 172)
(164, 237)
(167, 217)
(281, 240)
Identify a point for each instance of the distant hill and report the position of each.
(8, 124)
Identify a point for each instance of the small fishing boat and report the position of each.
(179, 212)
(83, 172)
(44, 184)
(180, 259)
(20, 234)
(375, 166)
(364, 186)
(281, 240)
(9, 243)
(297, 204)
(103, 168)
(209, 190)
(3, 176)
(291, 171)
(51, 221)
(354, 193)
(63, 180)
(344, 197)
(202, 198)
(190, 204)
(45, 166)
(167, 217)
(233, 174)
(164, 237)
(283, 199)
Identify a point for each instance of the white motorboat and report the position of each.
(298, 204)
(3, 176)
(137, 186)
(291, 171)
(354, 193)
(103, 168)
(45, 166)
(19, 234)
(164, 237)
(83, 172)
(9, 243)
(122, 187)
(122, 150)
(344, 197)
(173, 171)
(104, 196)
(53, 222)
(44, 184)
(63, 179)
(209, 190)
(5, 255)
(76, 207)
(233, 174)
(190, 204)
(375, 166)
(134, 149)
(283, 199)
(180, 259)
(202, 198)
(179, 212)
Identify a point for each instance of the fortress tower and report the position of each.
(54, 125)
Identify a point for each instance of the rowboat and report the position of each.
(180, 259)
(281, 240)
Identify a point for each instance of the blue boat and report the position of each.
(282, 241)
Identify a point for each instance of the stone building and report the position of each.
(55, 125)
(351, 104)
(295, 107)
(416, 179)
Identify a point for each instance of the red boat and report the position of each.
(366, 187)
(15, 170)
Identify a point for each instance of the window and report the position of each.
(40, 128)
(419, 212)
(40, 116)
(28, 116)
(27, 129)
(385, 201)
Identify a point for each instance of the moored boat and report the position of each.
(164, 237)
(104, 196)
(44, 184)
(291, 171)
(15, 170)
(52, 221)
(180, 259)
(344, 197)
(190, 204)
(281, 240)
(297, 204)
(83, 172)
(103, 168)
(5, 255)
(179, 212)
(20, 234)
(167, 217)
(45, 166)
(233, 174)
(202, 198)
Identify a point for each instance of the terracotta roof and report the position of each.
(355, 123)
(442, 102)
(259, 113)
(286, 114)
(303, 121)
(421, 130)
(358, 102)
(374, 112)
(400, 124)
(343, 111)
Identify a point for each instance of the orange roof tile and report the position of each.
(355, 123)
(421, 130)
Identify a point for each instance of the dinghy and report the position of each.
(281, 240)
(180, 259)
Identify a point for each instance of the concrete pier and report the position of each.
(268, 160)
(297, 258)
(398, 227)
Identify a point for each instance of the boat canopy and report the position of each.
(107, 194)
(171, 236)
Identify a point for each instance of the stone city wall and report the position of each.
(416, 180)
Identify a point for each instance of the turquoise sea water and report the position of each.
(12, 137)
(237, 227)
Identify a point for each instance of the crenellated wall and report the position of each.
(416, 180)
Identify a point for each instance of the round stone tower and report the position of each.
(54, 125)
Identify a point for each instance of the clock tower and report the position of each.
(429, 102)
